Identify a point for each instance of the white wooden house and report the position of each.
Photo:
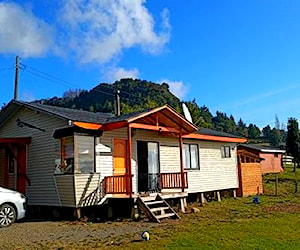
(63, 157)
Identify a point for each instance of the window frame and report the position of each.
(190, 156)
(226, 153)
(74, 168)
(76, 157)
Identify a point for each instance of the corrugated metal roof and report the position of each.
(70, 114)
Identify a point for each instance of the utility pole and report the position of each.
(17, 77)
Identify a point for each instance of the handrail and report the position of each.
(173, 180)
(117, 184)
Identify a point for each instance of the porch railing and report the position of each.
(173, 180)
(117, 184)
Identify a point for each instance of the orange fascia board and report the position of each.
(114, 125)
(147, 113)
(214, 138)
(86, 125)
(153, 127)
(159, 109)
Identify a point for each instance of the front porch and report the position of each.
(156, 184)
(170, 185)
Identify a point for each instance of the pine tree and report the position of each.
(293, 140)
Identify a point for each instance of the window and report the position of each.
(77, 155)
(67, 155)
(85, 154)
(225, 152)
(191, 156)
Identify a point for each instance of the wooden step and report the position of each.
(154, 202)
(161, 216)
(158, 209)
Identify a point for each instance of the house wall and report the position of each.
(271, 163)
(251, 179)
(41, 154)
(2, 165)
(86, 184)
(215, 173)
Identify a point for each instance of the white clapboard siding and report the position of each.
(41, 153)
(216, 173)
(104, 162)
(169, 159)
(85, 185)
(65, 189)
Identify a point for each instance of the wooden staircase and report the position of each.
(156, 208)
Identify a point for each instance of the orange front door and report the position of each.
(120, 156)
(120, 163)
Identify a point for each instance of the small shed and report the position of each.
(272, 157)
(249, 172)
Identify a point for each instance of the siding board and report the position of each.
(41, 153)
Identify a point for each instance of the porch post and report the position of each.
(181, 161)
(129, 179)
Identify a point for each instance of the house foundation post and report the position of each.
(234, 193)
(77, 213)
(218, 195)
(202, 199)
(181, 205)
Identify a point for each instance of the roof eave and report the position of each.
(214, 138)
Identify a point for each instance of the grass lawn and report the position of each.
(274, 223)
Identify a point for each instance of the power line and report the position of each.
(60, 81)
(55, 79)
(8, 68)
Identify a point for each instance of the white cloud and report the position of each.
(176, 87)
(27, 96)
(98, 31)
(22, 33)
(118, 73)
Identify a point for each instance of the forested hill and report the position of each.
(135, 95)
(138, 95)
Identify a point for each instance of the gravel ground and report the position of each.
(69, 235)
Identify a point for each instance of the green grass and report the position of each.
(274, 223)
(231, 224)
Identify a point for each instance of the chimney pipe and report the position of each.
(117, 103)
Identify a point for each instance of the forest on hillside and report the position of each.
(137, 95)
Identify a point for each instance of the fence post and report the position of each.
(276, 184)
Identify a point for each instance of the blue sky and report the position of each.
(238, 57)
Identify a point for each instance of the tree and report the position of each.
(201, 115)
(293, 140)
(275, 137)
(253, 131)
(267, 131)
(242, 128)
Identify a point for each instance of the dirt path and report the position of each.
(69, 235)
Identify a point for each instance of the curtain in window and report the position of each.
(153, 165)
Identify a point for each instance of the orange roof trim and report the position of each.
(86, 125)
(214, 138)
